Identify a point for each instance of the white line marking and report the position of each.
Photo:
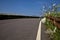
(39, 32)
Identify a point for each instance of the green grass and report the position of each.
(56, 35)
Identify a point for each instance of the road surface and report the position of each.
(22, 29)
(19, 29)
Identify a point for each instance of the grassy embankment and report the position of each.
(49, 25)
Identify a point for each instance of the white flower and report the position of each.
(54, 30)
(49, 12)
(49, 31)
(43, 20)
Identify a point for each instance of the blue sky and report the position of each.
(25, 7)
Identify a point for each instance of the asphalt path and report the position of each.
(19, 29)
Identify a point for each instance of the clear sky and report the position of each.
(25, 7)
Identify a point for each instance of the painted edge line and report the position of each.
(39, 32)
